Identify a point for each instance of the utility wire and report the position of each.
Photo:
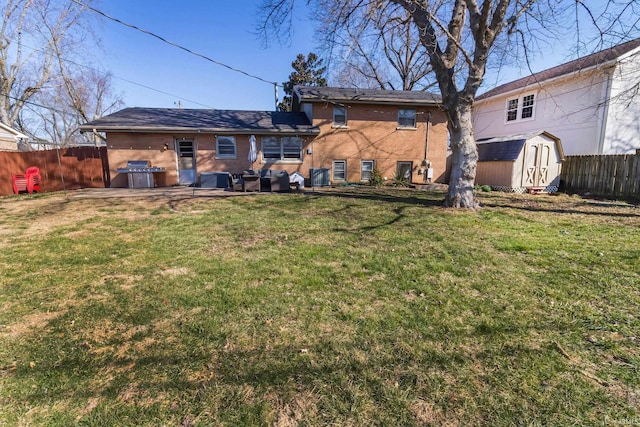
(130, 81)
(99, 12)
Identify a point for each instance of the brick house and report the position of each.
(388, 130)
(361, 129)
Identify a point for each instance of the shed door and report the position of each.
(185, 150)
(538, 157)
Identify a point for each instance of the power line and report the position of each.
(130, 81)
(175, 44)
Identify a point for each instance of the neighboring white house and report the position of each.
(10, 138)
(592, 104)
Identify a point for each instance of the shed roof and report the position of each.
(507, 148)
(369, 96)
(138, 119)
(598, 58)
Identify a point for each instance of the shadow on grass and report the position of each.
(562, 205)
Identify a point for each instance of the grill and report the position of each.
(140, 173)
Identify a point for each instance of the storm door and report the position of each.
(186, 153)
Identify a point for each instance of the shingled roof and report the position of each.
(598, 58)
(370, 96)
(192, 120)
(508, 148)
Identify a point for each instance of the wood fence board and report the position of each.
(604, 175)
(81, 167)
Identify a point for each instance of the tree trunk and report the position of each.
(464, 159)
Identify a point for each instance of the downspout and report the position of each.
(426, 164)
(605, 112)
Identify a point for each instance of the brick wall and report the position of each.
(372, 133)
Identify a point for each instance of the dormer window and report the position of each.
(339, 116)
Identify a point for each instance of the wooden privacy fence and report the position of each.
(82, 167)
(604, 175)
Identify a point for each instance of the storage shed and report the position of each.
(520, 163)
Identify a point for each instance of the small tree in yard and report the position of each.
(459, 37)
(307, 71)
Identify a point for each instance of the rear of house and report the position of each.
(187, 143)
(401, 134)
(341, 135)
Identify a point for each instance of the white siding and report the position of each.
(623, 119)
(569, 108)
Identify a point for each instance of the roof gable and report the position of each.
(595, 59)
(192, 120)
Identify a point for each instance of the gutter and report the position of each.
(142, 129)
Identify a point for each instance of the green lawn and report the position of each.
(345, 307)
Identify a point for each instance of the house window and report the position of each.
(225, 147)
(339, 116)
(366, 167)
(520, 108)
(403, 172)
(285, 148)
(512, 109)
(407, 118)
(527, 107)
(339, 170)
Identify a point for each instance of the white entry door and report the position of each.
(186, 152)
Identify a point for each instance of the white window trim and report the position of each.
(373, 166)
(415, 119)
(282, 159)
(346, 120)
(227, 156)
(333, 169)
(520, 99)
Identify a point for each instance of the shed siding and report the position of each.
(496, 173)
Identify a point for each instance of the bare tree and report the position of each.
(79, 96)
(44, 89)
(383, 53)
(461, 37)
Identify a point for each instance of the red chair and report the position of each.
(33, 179)
(19, 183)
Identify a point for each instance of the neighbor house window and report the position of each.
(527, 107)
(339, 116)
(512, 109)
(520, 108)
(406, 118)
(226, 147)
(283, 148)
(366, 167)
(339, 170)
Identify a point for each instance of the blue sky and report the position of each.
(225, 32)
(221, 30)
